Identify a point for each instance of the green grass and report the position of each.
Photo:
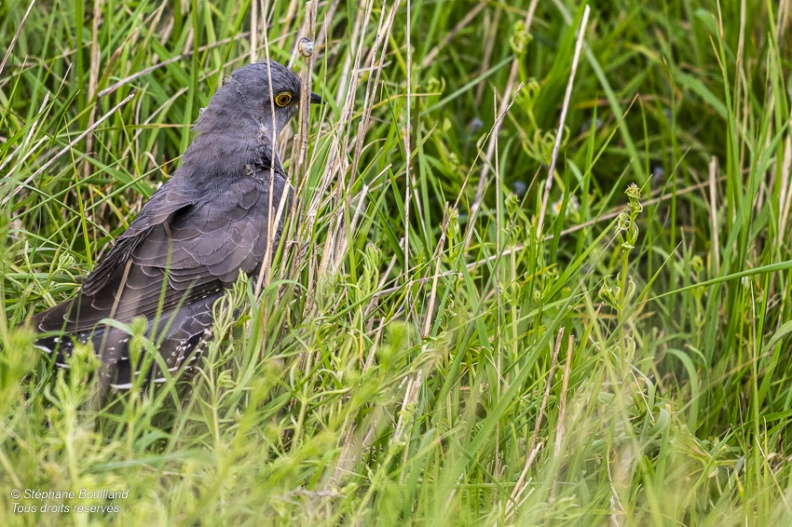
(423, 360)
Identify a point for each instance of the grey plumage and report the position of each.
(191, 239)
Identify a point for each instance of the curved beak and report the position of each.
(315, 98)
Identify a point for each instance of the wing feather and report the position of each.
(180, 252)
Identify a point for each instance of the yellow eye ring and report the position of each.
(283, 98)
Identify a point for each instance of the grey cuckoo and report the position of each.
(191, 239)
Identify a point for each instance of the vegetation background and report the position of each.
(418, 353)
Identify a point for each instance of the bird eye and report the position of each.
(283, 98)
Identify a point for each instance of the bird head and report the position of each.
(265, 94)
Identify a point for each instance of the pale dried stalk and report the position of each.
(783, 19)
(414, 383)
(562, 405)
(28, 137)
(519, 488)
(462, 24)
(336, 163)
(493, 140)
(299, 170)
(408, 183)
(93, 78)
(16, 36)
(713, 176)
(785, 190)
(486, 58)
(265, 274)
(474, 208)
(359, 27)
(383, 29)
(410, 397)
(560, 132)
(433, 294)
(347, 459)
(254, 18)
(341, 247)
(300, 164)
(549, 385)
(320, 39)
(501, 279)
(338, 240)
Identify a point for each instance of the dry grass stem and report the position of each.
(560, 133)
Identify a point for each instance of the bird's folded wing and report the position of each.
(166, 202)
(193, 253)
